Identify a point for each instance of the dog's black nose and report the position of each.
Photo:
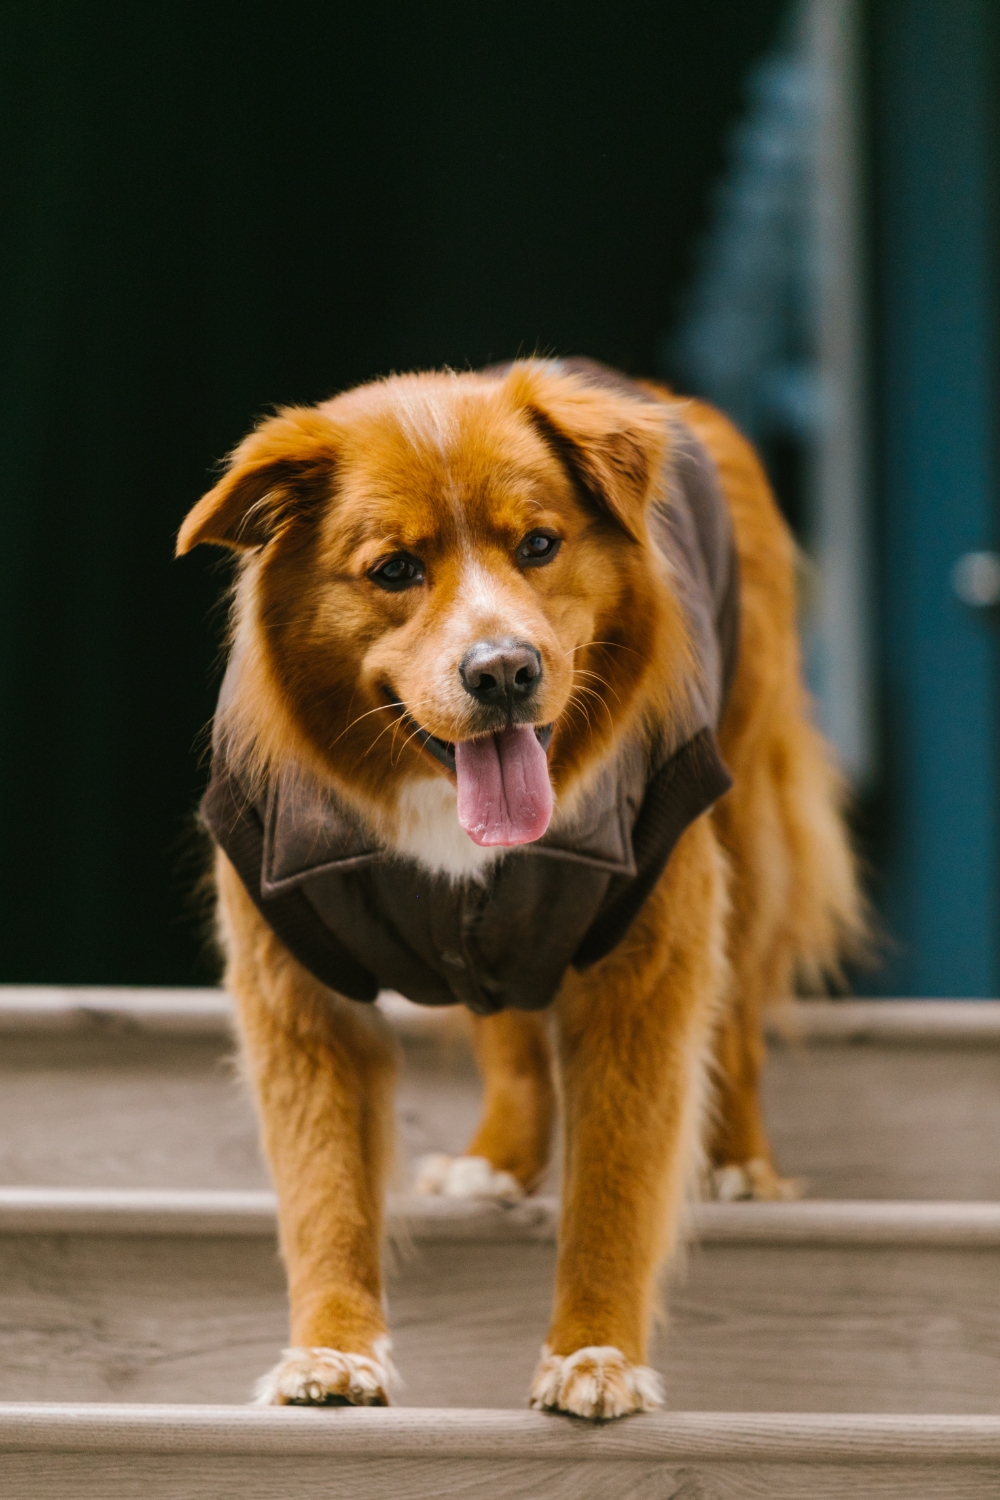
(503, 671)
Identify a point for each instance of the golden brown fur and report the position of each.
(795, 905)
(455, 470)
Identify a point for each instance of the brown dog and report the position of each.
(496, 640)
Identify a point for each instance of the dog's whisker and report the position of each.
(578, 703)
(406, 742)
(382, 708)
(616, 645)
(397, 726)
(582, 671)
(396, 723)
(375, 741)
(394, 726)
(580, 688)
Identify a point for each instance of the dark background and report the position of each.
(210, 209)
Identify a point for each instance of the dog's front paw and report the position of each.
(755, 1181)
(329, 1377)
(597, 1382)
(465, 1177)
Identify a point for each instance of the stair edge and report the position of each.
(412, 1433)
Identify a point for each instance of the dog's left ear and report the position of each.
(614, 445)
(278, 474)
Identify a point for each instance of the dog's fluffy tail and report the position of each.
(798, 910)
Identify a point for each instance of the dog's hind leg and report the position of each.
(323, 1069)
(635, 1035)
(795, 910)
(509, 1152)
(515, 1132)
(740, 1159)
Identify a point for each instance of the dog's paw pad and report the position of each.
(329, 1377)
(596, 1382)
(754, 1180)
(465, 1177)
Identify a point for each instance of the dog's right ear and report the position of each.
(279, 473)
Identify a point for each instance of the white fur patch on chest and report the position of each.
(428, 831)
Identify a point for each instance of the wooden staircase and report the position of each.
(845, 1344)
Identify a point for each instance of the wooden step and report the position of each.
(105, 1088)
(887, 1098)
(192, 1453)
(808, 1307)
(108, 1088)
(799, 1333)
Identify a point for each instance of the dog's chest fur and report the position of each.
(429, 832)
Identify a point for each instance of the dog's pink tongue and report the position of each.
(504, 792)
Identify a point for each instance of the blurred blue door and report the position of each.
(937, 274)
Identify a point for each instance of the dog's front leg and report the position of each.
(323, 1070)
(635, 1037)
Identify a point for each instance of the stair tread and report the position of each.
(238, 1212)
(47, 1008)
(234, 1454)
(125, 1087)
(487, 1432)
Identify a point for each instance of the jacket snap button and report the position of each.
(454, 959)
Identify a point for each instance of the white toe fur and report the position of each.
(465, 1177)
(731, 1184)
(310, 1377)
(755, 1180)
(596, 1382)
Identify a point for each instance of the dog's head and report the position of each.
(449, 575)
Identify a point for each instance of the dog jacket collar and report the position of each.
(362, 918)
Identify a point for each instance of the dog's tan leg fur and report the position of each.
(515, 1133)
(635, 1035)
(323, 1070)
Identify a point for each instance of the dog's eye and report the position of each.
(398, 572)
(538, 547)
